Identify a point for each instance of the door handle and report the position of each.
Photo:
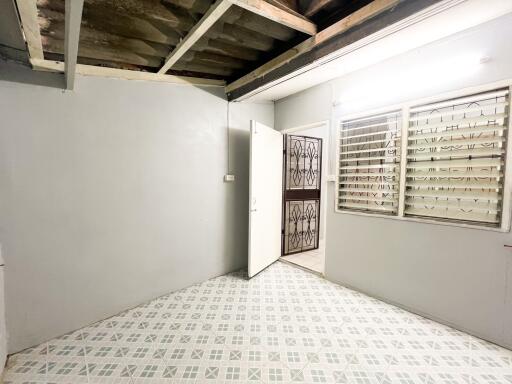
(507, 246)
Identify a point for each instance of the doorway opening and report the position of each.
(304, 196)
(286, 213)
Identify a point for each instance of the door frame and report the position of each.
(326, 146)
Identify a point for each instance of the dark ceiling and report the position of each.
(139, 34)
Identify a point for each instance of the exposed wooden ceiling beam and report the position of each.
(199, 62)
(270, 11)
(290, 6)
(383, 24)
(55, 30)
(194, 6)
(258, 25)
(107, 21)
(241, 36)
(210, 17)
(214, 59)
(51, 24)
(316, 6)
(201, 68)
(73, 19)
(225, 48)
(91, 70)
(107, 52)
(152, 10)
(341, 26)
(28, 15)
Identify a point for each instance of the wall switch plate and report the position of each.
(331, 178)
(229, 178)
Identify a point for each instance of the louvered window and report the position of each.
(452, 167)
(456, 158)
(370, 163)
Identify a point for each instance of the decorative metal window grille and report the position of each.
(452, 167)
(303, 167)
(370, 163)
(301, 194)
(301, 226)
(456, 158)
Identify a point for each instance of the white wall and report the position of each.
(113, 194)
(458, 276)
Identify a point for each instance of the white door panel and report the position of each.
(265, 197)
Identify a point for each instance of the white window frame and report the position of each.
(404, 107)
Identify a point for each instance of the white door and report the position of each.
(265, 197)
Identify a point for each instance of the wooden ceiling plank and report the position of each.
(226, 48)
(279, 15)
(146, 9)
(28, 15)
(365, 13)
(290, 4)
(258, 25)
(73, 20)
(316, 6)
(120, 24)
(241, 36)
(101, 39)
(199, 67)
(194, 6)
(107, 52)
(210, 17)
(213, 59)
(91, 70)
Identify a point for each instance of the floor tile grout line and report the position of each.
(180, 300)
(366, 331)
(84, 349)
(209, 331)
(142, 308)
(178, 297)
(229, 348)
(357, 351)
(282, 363)
(132, 380)
(323, 348)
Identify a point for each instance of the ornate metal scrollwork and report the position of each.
(301, 193)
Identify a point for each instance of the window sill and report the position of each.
(424, 221)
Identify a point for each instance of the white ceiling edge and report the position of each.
(434, 23)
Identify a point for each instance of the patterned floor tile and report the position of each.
(283, 326)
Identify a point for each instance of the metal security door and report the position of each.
(302, 177)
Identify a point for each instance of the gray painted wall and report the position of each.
(12, 43)
(459, 276)
(3, 330)
(113, 195)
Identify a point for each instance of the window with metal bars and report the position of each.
(456, 158)
(370, 163)
(452, 168)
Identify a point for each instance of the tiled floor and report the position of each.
(284, 325)
(313, 260)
